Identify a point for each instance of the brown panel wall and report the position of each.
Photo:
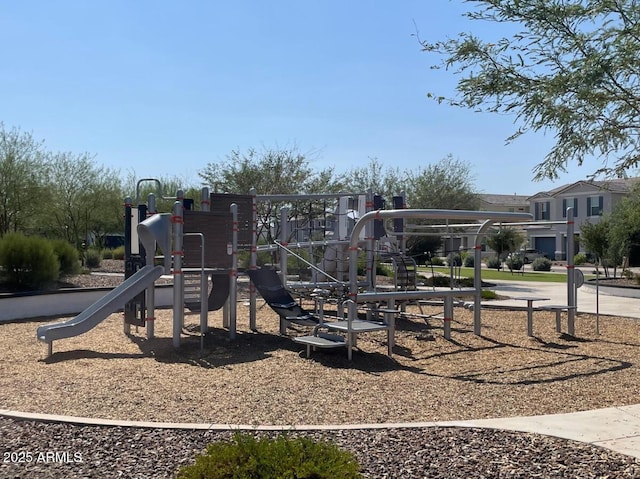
(216, 228)
(221, 203)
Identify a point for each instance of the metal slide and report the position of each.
(98, 311)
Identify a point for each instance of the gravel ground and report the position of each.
(115, 452)
(58, 450)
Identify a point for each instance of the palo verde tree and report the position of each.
(22, 195)
(375, 177)
(86, 199)
(571, 67)
(271, 171)
(446, 184)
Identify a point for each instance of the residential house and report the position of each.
(509, 203)
(502, 203)
(590, 200)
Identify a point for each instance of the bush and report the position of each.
(107, 253)
(437, 261)
(541, 264)
(469, 261)
(283, 457)
(627, 274)
(445, 281)
(455, 260)
(92, 258)
(67, 257)
(514, 263)
(494, 262)
(29, 262)
(579, 258)
(118, 253)
(489, 294)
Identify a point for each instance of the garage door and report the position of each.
(547, 246)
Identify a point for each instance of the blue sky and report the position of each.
(163, 88)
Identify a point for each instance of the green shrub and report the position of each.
(541, 264)
(67, 257)
(445, 281)
(469, 261)
(489, 294)
(92, 258)
(454, 260)
(494, 262)
(107, 253)
(514, 263)
(627, 274)
(283, 457)
(437, 261)
(579, 258)
(29, 262)
(118, 253)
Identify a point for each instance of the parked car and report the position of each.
(528, 255)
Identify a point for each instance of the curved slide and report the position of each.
(98, 311)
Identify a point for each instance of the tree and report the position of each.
(596, 239)
(271, 172)
(382, 181)
(624, 229)
(447, 184)
(22, 197)
(572, 69)
(85, 198)
(505, 241)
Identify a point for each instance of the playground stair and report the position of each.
(350, 329)
(193, 288)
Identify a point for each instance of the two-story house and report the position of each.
(589, 200)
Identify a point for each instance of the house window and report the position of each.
(594, 205)
(570, 202)
(542, 210)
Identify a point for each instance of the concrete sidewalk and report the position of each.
(615, 428)
(588, 300)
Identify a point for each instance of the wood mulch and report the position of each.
(264, 378)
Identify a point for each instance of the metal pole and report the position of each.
(598, 296)
(284, 240)
(571, 285)
(233, 276)
(253, 259)
(177, 219)
(477, 277)
(150, 258)
(128, 234)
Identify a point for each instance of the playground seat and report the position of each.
(270, 287)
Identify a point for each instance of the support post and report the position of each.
(253, 259)
(571, 285)
(177, 219)
(233, 276)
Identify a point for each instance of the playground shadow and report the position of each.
(362, 360)
(215, 349)
(539, 372)
(77, 354)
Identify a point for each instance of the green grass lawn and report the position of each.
(489, 274)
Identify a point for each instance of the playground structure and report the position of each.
(200, 250)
